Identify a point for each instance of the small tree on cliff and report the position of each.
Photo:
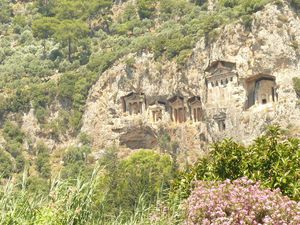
(69, 32)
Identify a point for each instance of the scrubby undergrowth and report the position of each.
(147, 187)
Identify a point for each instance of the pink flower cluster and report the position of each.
(239, 202)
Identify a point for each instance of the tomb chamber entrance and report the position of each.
(178, 109)
(134, 103)
(195, 106)
(221, 77)
(221, 121)
(261, 90)
(156, 110)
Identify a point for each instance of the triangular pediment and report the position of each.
(177, 102)
(134, 96)
(221, 70)
(176, 98)
(220, 117)
(220, 66)
(197, 102)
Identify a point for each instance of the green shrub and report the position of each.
(129, 13)
(295, 4)
(174, 8)
(296, 82)
(12, 132)
(41, 114)
(102, 61)
(37, 186)
(60, 125)
(6, 165)
(146, 8)
(20, 163)
(14, 148)
(247, 21)
(144, 173)
(16, 151)
(76, 154)
(271, 159)
(3, 106)
(252, 6)
(147, 171)
(26, 37)
(85, 139)
(43, 160)
(75, 163)
(229, 3)
(5, 11)
(127, 27)
(73, 89)
(19, 101)
(295, 44)
(66, 87)
(183, 56)
(170, 42)
(43, 95)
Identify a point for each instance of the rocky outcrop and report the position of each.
(139, 137)
(268, 48)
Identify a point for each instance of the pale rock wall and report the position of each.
(32, 129)
(267, 48)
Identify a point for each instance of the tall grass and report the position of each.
(67, 204)
(64, 204)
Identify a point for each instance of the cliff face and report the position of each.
(243, 78)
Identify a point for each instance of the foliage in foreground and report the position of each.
(136, 189)
(122, 192)
(145, 173)
(64, 205)
(228, 202)
(240, 202)
(272, 159)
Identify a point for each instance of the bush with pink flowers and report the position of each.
(239, 202)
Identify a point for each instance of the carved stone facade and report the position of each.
(178, 109)
(196, 111)
(222, 81)
(265, 49)
(221, 121)
(156, 110)
(261, 89)
(134, 103)
(220, 77)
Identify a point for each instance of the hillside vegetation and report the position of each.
(51, 54)
(53, 51)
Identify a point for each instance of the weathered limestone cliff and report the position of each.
(243, 79)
